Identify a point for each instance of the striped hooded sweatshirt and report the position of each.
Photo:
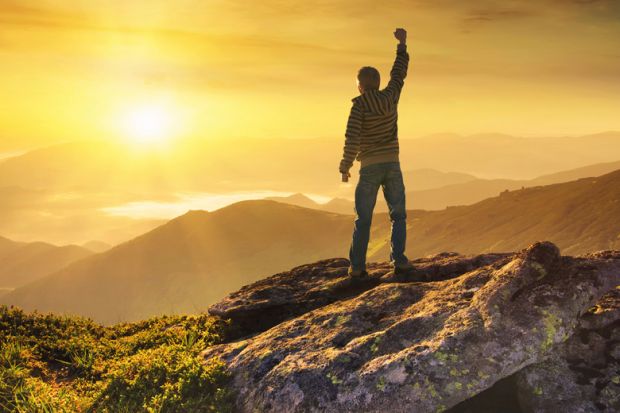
(372, 131)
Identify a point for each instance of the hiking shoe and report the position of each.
(357, 273)
(403, 268)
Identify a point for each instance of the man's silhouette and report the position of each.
(372, 138)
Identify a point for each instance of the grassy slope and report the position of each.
(50, 363)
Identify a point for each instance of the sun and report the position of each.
(148, 124)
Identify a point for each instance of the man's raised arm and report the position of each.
(399, 69)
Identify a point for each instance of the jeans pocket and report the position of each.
(370, 169)
(395, 178)
(394, 189)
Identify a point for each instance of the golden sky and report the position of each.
(283, 68)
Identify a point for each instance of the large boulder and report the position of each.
(399, 346)
(581, 375)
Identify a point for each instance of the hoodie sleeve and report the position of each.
(398, 73)
(352, 137)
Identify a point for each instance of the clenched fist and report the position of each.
(401, 35)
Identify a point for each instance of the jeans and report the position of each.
(389, 176)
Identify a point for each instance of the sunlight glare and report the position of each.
(148, 124)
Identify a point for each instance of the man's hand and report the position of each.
(345, 176)
(401, 35)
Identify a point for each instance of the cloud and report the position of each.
(22, 13)
(583, 2)
(495, 14)
(486, 12)
(475, 19)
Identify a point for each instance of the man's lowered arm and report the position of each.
(352, 140)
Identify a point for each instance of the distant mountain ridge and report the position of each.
(467, 193)
(24, 262)
(97, 246)
(462, 193)
(417, 178)
(510, 157)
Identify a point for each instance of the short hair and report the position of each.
(369, 78)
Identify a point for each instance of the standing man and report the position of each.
(372, 138)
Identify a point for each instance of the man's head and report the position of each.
(368, 78)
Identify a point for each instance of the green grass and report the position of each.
(52, 363)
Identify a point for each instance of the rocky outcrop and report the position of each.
(263, 304)
(424, 342)
(581, 375)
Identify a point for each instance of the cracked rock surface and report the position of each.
(422, 342)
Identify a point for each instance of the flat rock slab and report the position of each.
(265, 303)
(422, 347)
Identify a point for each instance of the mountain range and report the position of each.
(472, 191)
(189, 262)
(464, 190)
(195, 259)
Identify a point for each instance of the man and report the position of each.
(372, 138)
